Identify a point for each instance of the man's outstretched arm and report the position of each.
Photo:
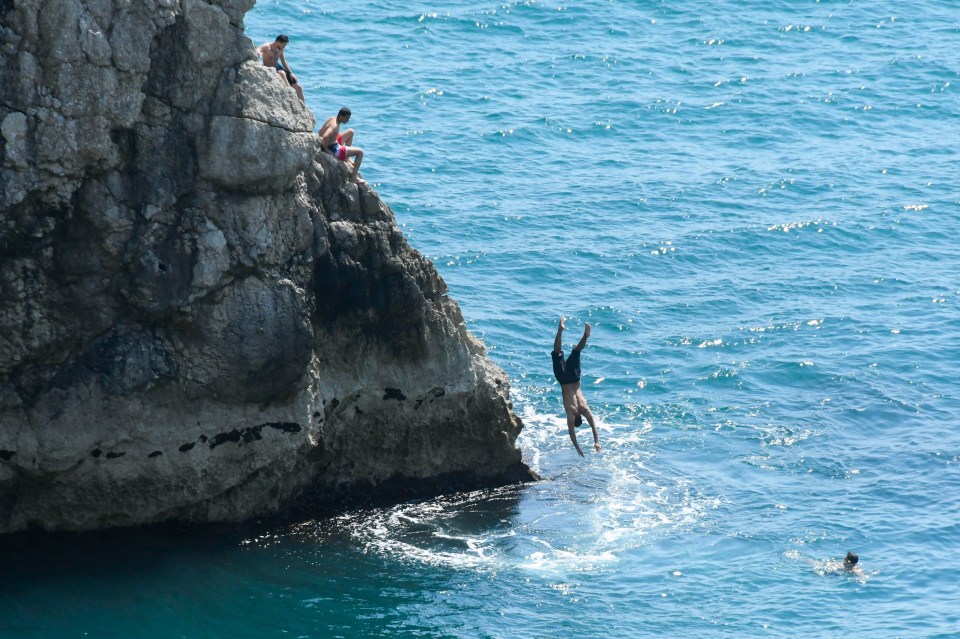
(573, 437)
(283, 61)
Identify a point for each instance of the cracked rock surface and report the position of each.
(201, 319)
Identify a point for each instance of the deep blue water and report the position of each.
(755, 205)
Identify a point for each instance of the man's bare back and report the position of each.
(329, 132)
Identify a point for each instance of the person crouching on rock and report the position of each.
(339, 144)
(272, 55)
(567, 372)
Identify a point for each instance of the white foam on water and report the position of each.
(583, 517)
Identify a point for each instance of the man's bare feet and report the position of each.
(562, 327)
(586, 330)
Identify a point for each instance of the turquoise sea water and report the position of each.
(755, 205)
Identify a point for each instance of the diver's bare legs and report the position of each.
(583, 340)
(557, 343)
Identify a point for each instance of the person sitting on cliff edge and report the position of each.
(339, 144)
(272, 55)
(567, 372)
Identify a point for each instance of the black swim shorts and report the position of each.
(290, 79)
(566, 371)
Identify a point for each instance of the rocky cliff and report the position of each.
(201, 319)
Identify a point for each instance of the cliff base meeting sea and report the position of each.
(755, 205)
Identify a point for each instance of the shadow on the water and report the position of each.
(30, 557)
(34, 558)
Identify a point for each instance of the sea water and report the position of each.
(754, 204)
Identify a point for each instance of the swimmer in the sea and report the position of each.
(849, 565)
(850, 562)
(567, 372)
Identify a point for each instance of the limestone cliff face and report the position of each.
(201, 319)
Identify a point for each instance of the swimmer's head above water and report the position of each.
(850, 560)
